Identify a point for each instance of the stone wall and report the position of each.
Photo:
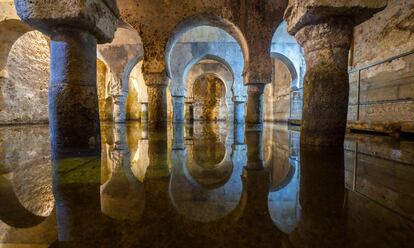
(25, 79)
(382, 65)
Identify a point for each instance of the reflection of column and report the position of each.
(254, 140)
(178, 109)
(157, 104)
(123, 196)
(144, 112)
(119, 108)
(322, 192)
(144, 130)
(157, 153)
(255, 104)
(189, 109)
(178, 136)
(239, 156)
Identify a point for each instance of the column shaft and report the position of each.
(178, 109)
(157, 105)
(73, 99)
(255, 104)
(119, 109)
(239, 112)
(326, 84)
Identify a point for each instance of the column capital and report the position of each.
(300, 14)
(239, 99)
(256, 88)
(98, 17)
(156, 79)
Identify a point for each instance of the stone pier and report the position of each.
(325, 32)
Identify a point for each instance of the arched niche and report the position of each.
(122, 57)
(283, 98)
(206, 42)
(24, 74)
(137, 92)
(104, 97)
(204, 19)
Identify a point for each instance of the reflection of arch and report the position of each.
(122, 195)
(283, 204)
(128, 69)
(216, 201)
(205, 19)
(12, 212)
(103, 86)
(199, 172)
(288, 178)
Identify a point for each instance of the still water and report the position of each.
(206, 185)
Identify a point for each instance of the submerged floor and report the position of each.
(206, 185)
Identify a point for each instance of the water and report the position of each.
(206, 185)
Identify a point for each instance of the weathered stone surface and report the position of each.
(98, 17)
(388, 33)
(386, 84)
(25, 83)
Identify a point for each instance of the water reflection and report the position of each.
(206, 185)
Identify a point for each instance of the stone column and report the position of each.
(73, 99)
(324, 30)
(326, 84)
(239, 113)
(119, 114)
(157, 105)
(74, 28)
(255, 104)
(178, 109)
